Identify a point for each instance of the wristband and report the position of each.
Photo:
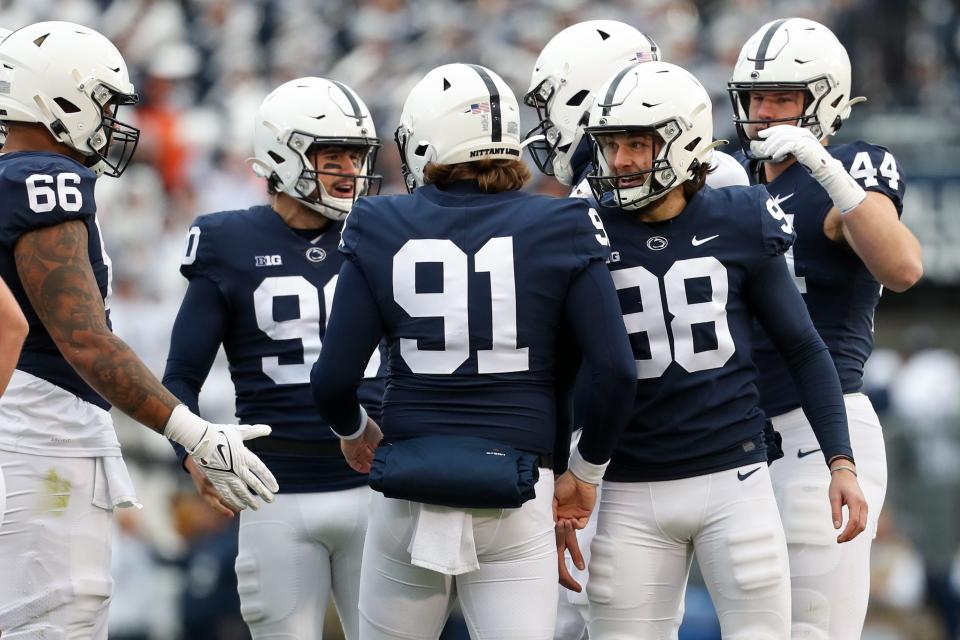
(586, 471)
(844, 468)
(186, 428)
(360, 428)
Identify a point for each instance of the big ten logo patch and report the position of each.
(268, 261)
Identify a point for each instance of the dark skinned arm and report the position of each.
(54, 268)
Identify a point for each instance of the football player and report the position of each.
(469, 279)
(694, 266)
(563, 86)
(61, 473)
(261, 284)
(791, 92)
(564, 83)
(13, 331)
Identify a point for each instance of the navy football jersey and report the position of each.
(278, 286)
(37, 190)
(840, 292)
(681, 285)
(471, 289)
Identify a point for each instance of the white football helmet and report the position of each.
(570, 68)
(666, 101)
(794, 54)
(457, 113)
(295, 119)
(3, 128)
(72, 80)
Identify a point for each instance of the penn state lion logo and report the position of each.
(316, 254)
(657, 243)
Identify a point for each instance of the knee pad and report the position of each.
(811, 615)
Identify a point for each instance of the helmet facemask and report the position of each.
(309, 188)
(550, 152)
(402, 137)
(648, 184)
(814, 91)
(113, 143)
(543, 139)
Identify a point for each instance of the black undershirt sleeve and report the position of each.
(777, 304)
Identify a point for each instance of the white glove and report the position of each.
(786, 140)
(218, 449)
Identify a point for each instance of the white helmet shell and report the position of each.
(794, 54)
(306, 113)
(63, 75)
(3, 129)
(457, 113)
(567, 72)
(659, 98)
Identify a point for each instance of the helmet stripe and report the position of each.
(496, 134)
(357, 113)
(612, 90)
(761, 58)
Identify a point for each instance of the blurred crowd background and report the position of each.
(202, 67)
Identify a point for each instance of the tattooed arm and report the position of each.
(13, 331)
(54, 267)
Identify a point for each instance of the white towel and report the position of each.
(443, 540)
(112, 485)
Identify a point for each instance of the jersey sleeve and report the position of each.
(200, 250)
(590, 241)
(776, 230)
(39, 192)
(875, 169)
(350, 235)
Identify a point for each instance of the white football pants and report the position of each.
(292, 553)
(830, 581)
(647, 533)
(512, 596)
(54, 549)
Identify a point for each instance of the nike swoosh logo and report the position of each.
(695, 242)
(743, 476)
(781, 199)
(222, 450)
(803, 454)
